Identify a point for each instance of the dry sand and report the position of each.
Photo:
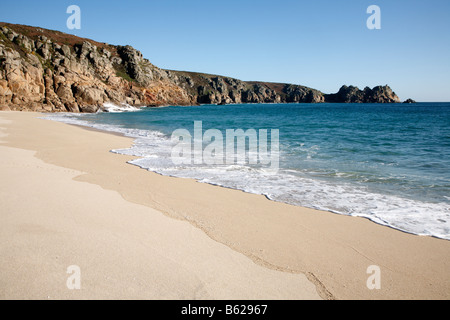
(66, 200)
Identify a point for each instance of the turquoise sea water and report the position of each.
(387, 162)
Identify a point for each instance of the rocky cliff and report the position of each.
(45, 70)
(205, 89)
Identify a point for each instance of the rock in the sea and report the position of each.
(410, 101)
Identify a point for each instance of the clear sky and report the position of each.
(322, 43)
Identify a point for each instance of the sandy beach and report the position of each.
(67, 200)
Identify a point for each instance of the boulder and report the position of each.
(65, 94)
(90, 96)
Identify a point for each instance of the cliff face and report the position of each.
(206, 88)
(49, 71)
(44, 70)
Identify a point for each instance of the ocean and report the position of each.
(389, 163)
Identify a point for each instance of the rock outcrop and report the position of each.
(44, 70)
(410, 101)
(351, 94)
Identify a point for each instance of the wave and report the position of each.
(113, 108)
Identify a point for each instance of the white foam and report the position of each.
(112, 108)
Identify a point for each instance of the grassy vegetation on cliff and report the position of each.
(3, 38)
(122, 72)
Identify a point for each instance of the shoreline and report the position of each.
(371, 219)
(332, 250)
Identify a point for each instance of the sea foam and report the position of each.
(113, 108)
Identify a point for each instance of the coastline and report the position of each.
(333, 251)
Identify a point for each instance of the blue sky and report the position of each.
(322, 43)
